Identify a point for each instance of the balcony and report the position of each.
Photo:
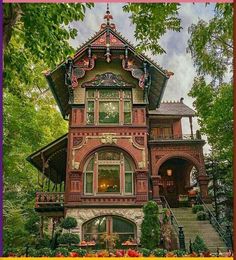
(177, 137)
(183, 138)
(50, 203)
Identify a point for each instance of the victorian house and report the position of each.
(124, 145)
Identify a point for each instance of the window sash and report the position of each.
(98, 113)
(89, 185)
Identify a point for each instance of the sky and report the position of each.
(176, 58)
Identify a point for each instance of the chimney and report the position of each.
(181, 100)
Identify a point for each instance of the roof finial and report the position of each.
(108, 15)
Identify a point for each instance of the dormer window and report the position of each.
(108, 107)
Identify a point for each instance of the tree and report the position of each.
(68, 223)
(220, 188)
(151, 22)
(199, 245)
(150, 228)
(211, 47)
(31, 118)
(211, 43)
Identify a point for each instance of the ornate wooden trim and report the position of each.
(108, 79)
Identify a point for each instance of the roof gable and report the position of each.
(109, 44)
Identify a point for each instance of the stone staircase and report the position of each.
(193, 227)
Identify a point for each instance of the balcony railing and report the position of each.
(176, 137)
(49, 200)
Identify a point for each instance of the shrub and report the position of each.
(150, 228)
(199, 245)
(179, 252)
(69, 223)
(201, 215)
(42, 243)
(33, 252)
(146, 252)
(68, 238)
(45, 252)
(159, 252)
(61, 251)
(197, 208)
(80, 251)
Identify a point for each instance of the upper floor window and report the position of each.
(108, 172)
(162, 132)
(106, 106)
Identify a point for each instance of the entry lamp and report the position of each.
(169, 172)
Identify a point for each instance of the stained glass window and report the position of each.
(127, 112)
(109, 112)
(90, 112)
(112, 106)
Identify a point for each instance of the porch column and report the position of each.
(191, 126)
(203, 183)
(155, 185)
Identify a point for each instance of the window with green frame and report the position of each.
(108, 171)
(108, 106)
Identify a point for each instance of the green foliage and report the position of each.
(197, 208)
(152, 21)
(61, 251)
(81, 252)
(41, 26)
(211, 43)
(69, 223)
(220, 187)
(45, 252)
(211, 47)
(159, 252)
(166, 215)
(68, 238)
(150, 228)
(179, 252)
(201, 215)
(198, 245)
(145, 252)
(42, 243)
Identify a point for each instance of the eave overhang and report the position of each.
(51, 159)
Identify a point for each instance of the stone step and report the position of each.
(193, 227)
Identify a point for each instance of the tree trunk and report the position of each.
(41, 234)
(11, 14)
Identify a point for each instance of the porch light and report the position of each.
(169, 172)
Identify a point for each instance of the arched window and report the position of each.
(107, 172)
(95, 229)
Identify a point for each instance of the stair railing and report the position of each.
(226, 235)
(178, 228)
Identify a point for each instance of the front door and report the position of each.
(169, 189)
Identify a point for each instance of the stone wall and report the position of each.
(83, 215)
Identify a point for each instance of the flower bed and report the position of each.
(159, 252)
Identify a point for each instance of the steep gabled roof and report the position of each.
(56, 77)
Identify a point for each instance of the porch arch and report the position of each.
(200, 168)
